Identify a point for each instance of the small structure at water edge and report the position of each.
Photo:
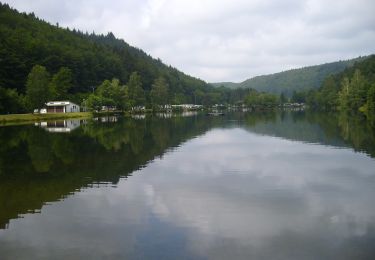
(62, 107)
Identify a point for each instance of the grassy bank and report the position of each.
(15, 119)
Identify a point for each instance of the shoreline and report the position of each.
(24, 119)
(20, 119)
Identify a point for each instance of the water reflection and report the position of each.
(138, 116)
(48, 167)
(61, 126)
(278, 199)
(240, 186)
(180, 114)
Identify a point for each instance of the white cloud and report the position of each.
(225, 40)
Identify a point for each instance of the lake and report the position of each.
(271, 185)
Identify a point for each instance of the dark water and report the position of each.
(242, 186)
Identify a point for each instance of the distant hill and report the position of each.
(293, 80)
(358, 81)
(26, 40)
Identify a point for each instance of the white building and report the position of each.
(62, 107)
(187, 106)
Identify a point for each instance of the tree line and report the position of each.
(112, 94)
(351, 92)
(42, 86)
(27, 41)
(41, 62)
(287, 82)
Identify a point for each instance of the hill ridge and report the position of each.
(297, 79)
(26, 40)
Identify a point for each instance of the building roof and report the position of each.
(59, 103)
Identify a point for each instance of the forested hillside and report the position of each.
(41, 62)
(27, 41)
(350, 91)
(293, 80)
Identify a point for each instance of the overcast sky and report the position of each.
(225, 40)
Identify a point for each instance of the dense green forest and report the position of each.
(40, 62)
(27, 41)
(287, 82)
(351, 91)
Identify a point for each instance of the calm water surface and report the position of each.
(241, 186)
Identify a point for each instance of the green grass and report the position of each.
(30, 118)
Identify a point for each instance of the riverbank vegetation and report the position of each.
(28, 118)
(40, 62)
(350, 92)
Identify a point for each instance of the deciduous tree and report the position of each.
(136, 93)
(38, 91)
(159, 92)
(61, 83)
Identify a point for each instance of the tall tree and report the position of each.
(328, 98)
(353, 92)
(61, 83)
(109, 93)
(38, 91)
(371, 101)
(358, 91)
(344, 94)
(136, 93)
(159, 92)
